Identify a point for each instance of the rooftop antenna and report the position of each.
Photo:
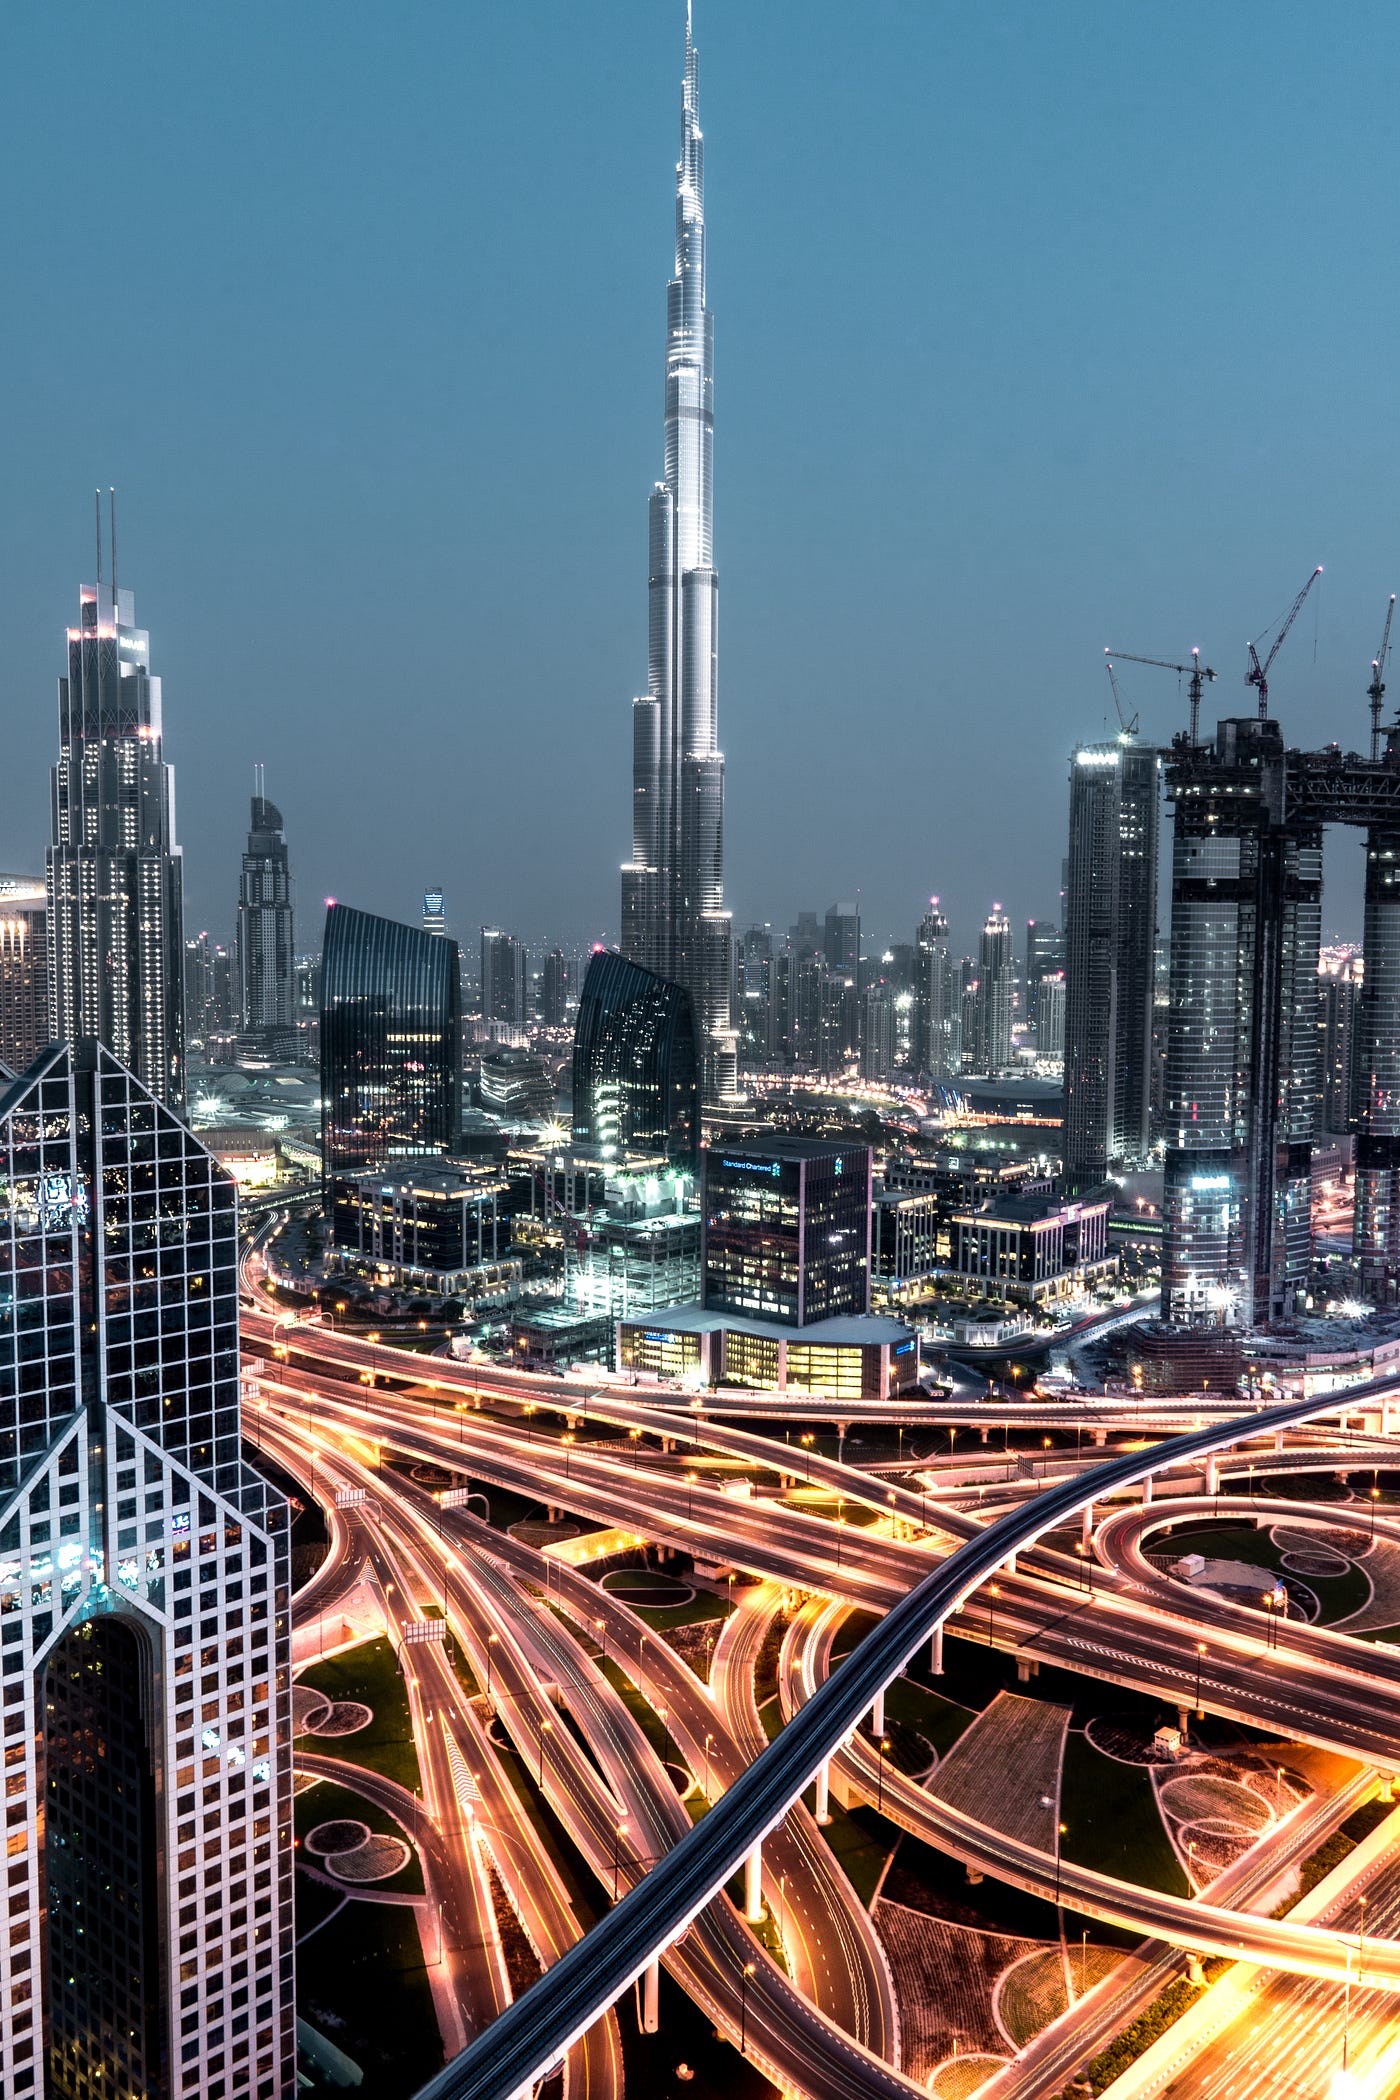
(258, 781)
(97, 509)
(112, 505)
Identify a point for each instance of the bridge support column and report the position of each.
(877, 1714)
(651, 1998)
(1009, 1564)
(1278, 1440)
(1212, 1475)
(935, 1652)
(1195, 1973)
(1086, 1526)
(753, 1885)
(824, 1791)
(1147, 1491)
(842, 1428)
(1100, 1436)
(986, 1431)
(1183, 1721)
(1027, 1666)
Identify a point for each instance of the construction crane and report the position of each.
(1195, 671)
(1258, 674)
(1375, 691)
(1128, 728)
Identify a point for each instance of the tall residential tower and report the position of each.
(116, 913)
(673, 917)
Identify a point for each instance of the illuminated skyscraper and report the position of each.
(148, 1921)
(266, 948)
(673, 917)
(434, 912)
(1110, 955)
(116, 915)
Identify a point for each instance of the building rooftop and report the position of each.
(851, 1332)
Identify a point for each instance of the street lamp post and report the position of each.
(993, 1592)
(744, 1975)
(491, 1641)
(619, 1833)
(1200, 1658)
(880, 1755)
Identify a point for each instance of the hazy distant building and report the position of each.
(556, 980)
(503, 978)
(636, 1078)
(24, 971)
(266, 942)
(1050, 1018)
(390, 1041)
(1045, 955)
(841, 940)
(996, 977)
(937, 1021)
(116, 913)
(1338, 991)
(1110, 943)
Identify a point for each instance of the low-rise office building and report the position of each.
(428, 1224)
(1032, 1250)
(864, 1355)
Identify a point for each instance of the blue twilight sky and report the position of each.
(1037, 328)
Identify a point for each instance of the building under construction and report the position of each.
(1242, 1047)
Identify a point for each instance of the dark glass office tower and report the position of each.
(996, 994)
(391, 1027)
(144, 1668)
(1110, 947)
(786, 1229)
(266, 942)
(636, 1063)
(116, 914)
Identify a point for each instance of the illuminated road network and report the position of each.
(745, 1904)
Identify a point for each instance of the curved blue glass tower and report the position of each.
(673, 917)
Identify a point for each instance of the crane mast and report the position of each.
(1375, 691)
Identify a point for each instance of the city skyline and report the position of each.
(1217, 496)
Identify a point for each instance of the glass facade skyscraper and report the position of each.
(787, 1229)
(116, 913)
(1110, 949)
(636, 1063)
(144, 1688)
(391, 1026)
(266, 941)
(673, 917)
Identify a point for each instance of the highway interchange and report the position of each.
(1073, 1588)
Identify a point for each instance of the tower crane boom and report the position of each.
(1196, 671)
(1258, 674)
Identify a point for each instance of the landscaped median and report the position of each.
(1179, 2024)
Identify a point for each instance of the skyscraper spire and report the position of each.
(673, 916)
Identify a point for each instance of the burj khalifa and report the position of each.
(673, 916)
